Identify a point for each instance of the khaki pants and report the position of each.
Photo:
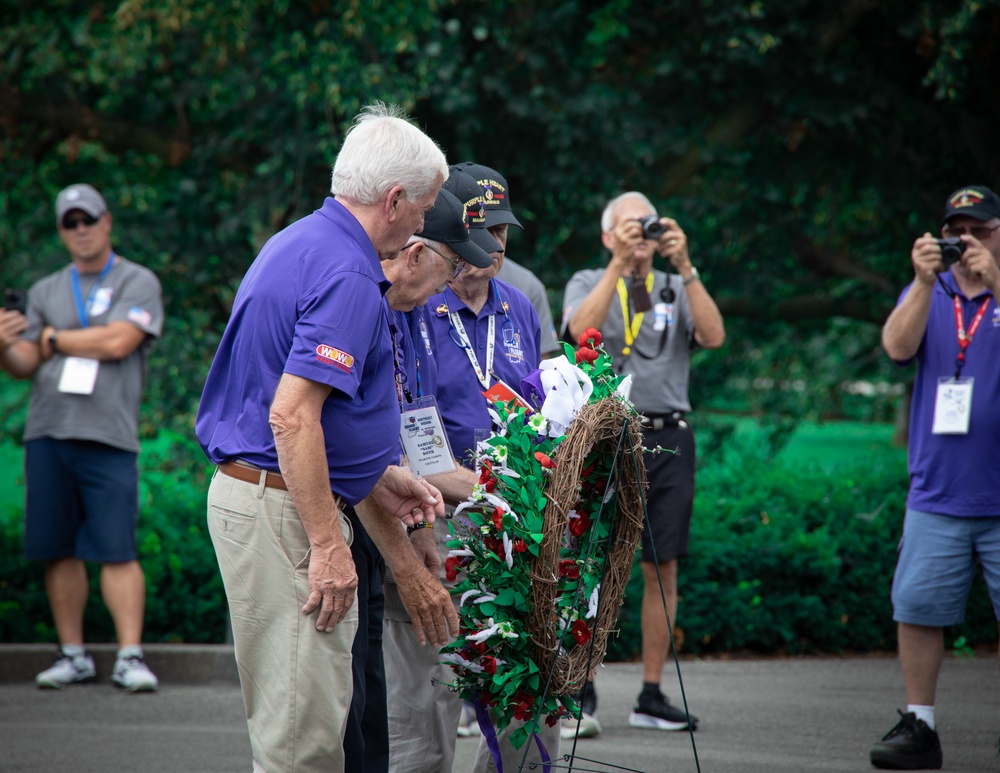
(296, 681)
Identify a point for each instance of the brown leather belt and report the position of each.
(252, 475)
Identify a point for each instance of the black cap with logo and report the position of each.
(975, 201)
(470, 194)
(447, 223)
(496, 193)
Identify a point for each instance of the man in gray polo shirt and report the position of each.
(84, 343)
(650, 321)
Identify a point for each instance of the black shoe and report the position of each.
(656, 713)
(586, 698)
(910, 745)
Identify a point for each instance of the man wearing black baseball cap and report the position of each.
(948, 322)
(433, 257)
(499, 216)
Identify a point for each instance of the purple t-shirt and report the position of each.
(956, 474)
(518, 343)
(311, 306)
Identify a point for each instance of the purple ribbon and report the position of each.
(490, 734)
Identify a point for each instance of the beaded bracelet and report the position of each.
(421, 525)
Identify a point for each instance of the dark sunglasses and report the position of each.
(70, 223)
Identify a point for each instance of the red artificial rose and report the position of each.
(451, 566)
(585, 355)
(545, 461)
(478, 647)
(590, 338)
(490, 485)
(579, 526)
(588, 469)
(489, 664)
(569, 568)
(520, 546)
(498, 519)
(522, 710)
(580, 632)
(495, 545)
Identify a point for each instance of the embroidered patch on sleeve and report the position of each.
(334, 356)
(141, 317)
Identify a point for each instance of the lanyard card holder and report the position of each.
(425, 443)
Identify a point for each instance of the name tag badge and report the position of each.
(660, 313)
(425, 443)
(79, 375)
(952, 406)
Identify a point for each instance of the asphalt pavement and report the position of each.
(774, 715)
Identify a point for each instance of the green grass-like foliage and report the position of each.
(791, 556)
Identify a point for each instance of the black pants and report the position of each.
(366, 740)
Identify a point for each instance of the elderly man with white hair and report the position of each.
(299, 414)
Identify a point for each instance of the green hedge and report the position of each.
(786, 555)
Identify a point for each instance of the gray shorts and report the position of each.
(938, 555)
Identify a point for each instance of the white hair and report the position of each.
(383, 149)
(608, 215)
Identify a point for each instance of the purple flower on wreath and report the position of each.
(531, 388)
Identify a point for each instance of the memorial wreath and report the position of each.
(543, 548)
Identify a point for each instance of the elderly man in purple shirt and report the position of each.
(299, 413)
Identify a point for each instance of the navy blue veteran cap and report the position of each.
(446, 223)
(975, 201)
(496, 194)
(465, 190)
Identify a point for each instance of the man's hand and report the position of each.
(624, 238)
(333, 581)
(926, 259)
(978, 260)
(408, 498)
(429, 606)
(672, 245)
(425, 546)
(12, 324)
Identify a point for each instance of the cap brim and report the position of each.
(483, 239)
(501, 217)
(472, 253)
(973, 212)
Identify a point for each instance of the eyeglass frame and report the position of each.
(457, 264)
(978, 232)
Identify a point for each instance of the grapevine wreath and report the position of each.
(543, 548)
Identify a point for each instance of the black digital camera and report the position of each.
(651, 227)
(15, 300)
(951, 250)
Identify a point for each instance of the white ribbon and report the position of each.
(566, 389)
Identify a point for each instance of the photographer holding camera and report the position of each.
(650, 322)
(948, 321)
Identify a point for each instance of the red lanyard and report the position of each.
(965, 338)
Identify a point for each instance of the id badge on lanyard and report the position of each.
(952, 406)
(425, 443)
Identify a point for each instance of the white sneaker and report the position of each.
(468, 724)
(68, 669)
(131, 672)
(587, 727)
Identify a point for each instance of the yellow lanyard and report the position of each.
(631, 329)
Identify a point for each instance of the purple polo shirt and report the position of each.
(416, 352)
(311, 306)
(956, 474)
(518, 343)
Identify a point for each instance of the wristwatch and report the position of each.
(694, 275)
(53, 334)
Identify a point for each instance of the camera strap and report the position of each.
(632, 325)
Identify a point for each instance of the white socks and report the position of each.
(926, 713)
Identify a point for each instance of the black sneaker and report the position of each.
(910, 745)
(656, 713)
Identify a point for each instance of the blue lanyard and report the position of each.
(83, 307)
